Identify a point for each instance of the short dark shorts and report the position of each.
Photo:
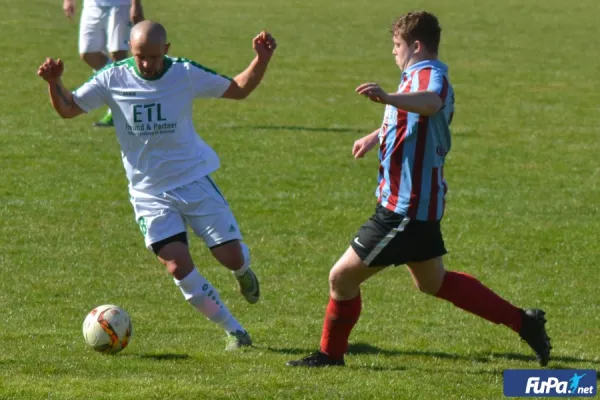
(388, 238)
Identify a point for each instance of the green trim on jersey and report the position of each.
(128, 61)
(168, 64)
(198, 65)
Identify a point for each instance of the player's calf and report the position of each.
(246, 278)
(235, 255)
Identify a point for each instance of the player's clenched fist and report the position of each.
(51, 70)
(264, 44)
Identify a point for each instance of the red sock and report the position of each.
(340, 318)
(468, 293)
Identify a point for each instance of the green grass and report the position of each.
(522, 209)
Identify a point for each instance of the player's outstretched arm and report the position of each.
(423, 103)
(244, 83)
(61, 98)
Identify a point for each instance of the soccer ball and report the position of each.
(107, 329)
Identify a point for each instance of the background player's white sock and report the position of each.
(202, 295)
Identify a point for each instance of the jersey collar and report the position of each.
(167, 65)
(424, 64)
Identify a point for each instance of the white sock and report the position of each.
(202, 295)
(246, 266)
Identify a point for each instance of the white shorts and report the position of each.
(199, 205)
(104, 29)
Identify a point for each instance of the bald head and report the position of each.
(148, 32)
(148, 45)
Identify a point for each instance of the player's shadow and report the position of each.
(288, 350)
(164, 356)
(556, 362)
(308, 128)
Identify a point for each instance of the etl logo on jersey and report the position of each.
(550, 383)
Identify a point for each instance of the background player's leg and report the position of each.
(196, 289)
(118, 55)
(92, 40)
(107, 119)
(116, 30)
(96, 60)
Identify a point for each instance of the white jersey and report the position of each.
(106, 3)
(153, 120)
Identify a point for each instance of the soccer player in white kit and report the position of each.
(167, 163)
(104, 33)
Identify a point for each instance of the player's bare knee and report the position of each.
(171, 266)
(428, 284)
(178, 268)
(96, 61)
(339, 281)
(427, 288)
(118, 55)
(89, 59)
(174, 253)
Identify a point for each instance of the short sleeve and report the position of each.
(433, 80)
(92, 94)
(206, 82)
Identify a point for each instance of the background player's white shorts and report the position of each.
(104, 29)
(199, 205)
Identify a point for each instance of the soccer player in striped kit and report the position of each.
(405, 228)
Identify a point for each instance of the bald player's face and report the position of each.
(149, 57)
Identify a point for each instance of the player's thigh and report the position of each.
(207, 212)
(350, 270)
(92, 30)
(118, 29)
(427, 249)
(158, 217)
(428, 275)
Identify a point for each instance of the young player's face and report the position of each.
(149, 58)
(403, 52)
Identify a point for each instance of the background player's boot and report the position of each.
(238, 339)
(534, 333)
(249, 287)
(106, 121)
(316, 359)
